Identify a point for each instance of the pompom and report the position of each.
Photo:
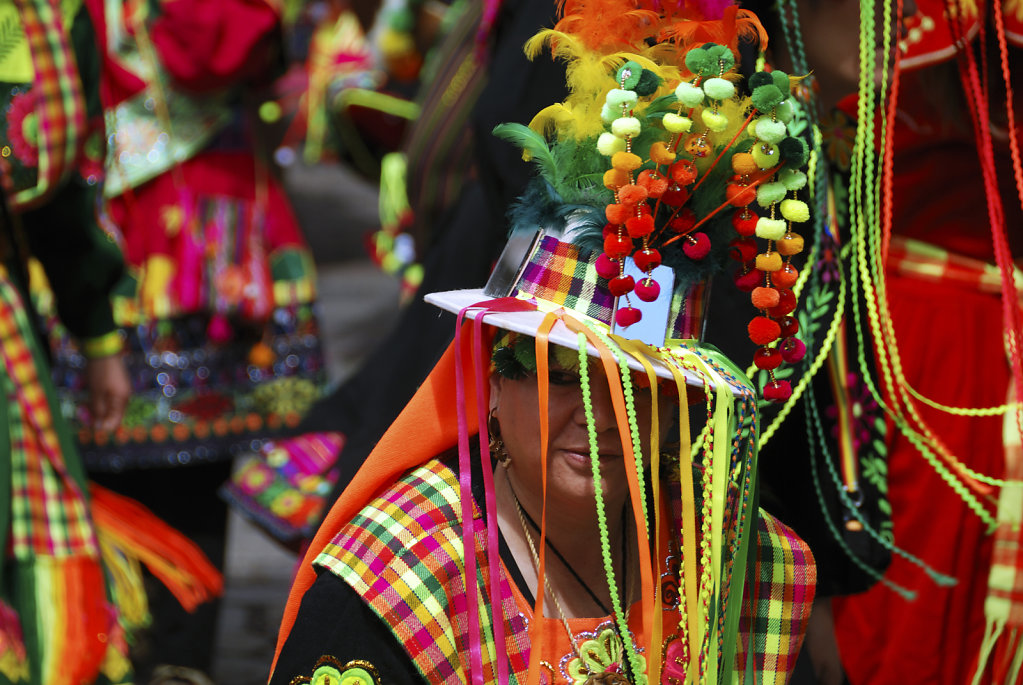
(764, 298)
(790, 244)
(794, 151)
(621, 285)
(770, 131)
(785, 110)
(766, 358)
(718, 88)
(689, 95)
(648, 84)
(795, 210)
(660, 154)
(770, 229)
(648, 289)
(626, 316)
(781, 81)
(743, 164)
(763, 331)
(609, 113)
(760, 78)
(714, 120)
(654, 182)
(697, 145)
(616, 97)
(792, 179)
(777, 391)
(722, 55)
(626, 127)
(675, 123)
(746, 281)
(685, 220)
(617, 214)
(615, 178)
(675, 195)
(765, 155)
(765, 97)
(789, 326)
(769, 261)
(740, 194)
(745, 222)
(700, 62)
(786, 276)
(683, 172)
(605, 266)
(261, 355)
(609, 144)
(219, 330)
(786, 303)
(793, 350)
(617, 246)
(696, 246)
(632, 194)
(647, 260)
(626, 161)
(769, 193)
(639, 226)
(743, 249)
(628, 74)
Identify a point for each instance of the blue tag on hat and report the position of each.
(652, 327)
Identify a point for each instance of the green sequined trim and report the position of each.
(329, 671)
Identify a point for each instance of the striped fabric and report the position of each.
(565, 275)
(779, 597)
(930, 263)
(59, 106)
(48, 510)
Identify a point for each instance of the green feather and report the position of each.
(533, 144)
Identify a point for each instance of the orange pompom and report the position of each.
(632, 194)
(743, 164)
(626, 161)
(261, 355)
(740, 195)
(617, 246)
(765, 298)
(617, 214)
(785, 277)
(640, 226)
(763, 331)
(790, 244)
(654, 182)
(683, 172)
(769, 261)
(615, 178)
(660, 154)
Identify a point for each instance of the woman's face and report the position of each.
(569, 475)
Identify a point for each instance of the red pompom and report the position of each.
(675, 196)
(785, 277)
(764, 298)
(606, 267)
(740, 195)
(745, 222)
(608, 228)
(626, 316)
(743, 249)
(789, 326)
(621, 285)
(763, 331)
(793, 350)
(618, 214)
(617, 245)
(745, 281)
(683, 172)
(648, 289)
(219, 330)
(647, 260)
(683, 222)
(640, 226)
(654, 182)
(767, 358)
(777, 391)
(786, 304)
(696, 246)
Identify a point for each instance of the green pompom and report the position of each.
(689, 95)
(626, 127)
(608, 144)
(714, 121)
(616, 97)
(648, 84)
(793, 179)
(785, 110)
(699, 61)
(723, 57)
(628, 75)
(794, 151)
(718, 88)
(761, 78)
(770, 229)
(765, 155)
(769, 193)
(770, 131)
(609, 113)
(764, 98)
(781, 81)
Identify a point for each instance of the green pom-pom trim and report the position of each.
(764, 98)
(769, 193)
(718, 88)
(795, 210)
(699, 61)
(628, 75)
(781, 81)
(770, 131)
(765, 155)
(688, 94)
(794, 151)
(761, 78)
(723, 57)
(793, 179)
(785, 111)
(648, 83)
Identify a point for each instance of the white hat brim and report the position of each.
(529, 322)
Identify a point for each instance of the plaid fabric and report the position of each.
(1005, 584)
(563, 274)
(927, 262)
(778, 597)
(60, 106)
(403, 555)
(48, 510)
(687, 312)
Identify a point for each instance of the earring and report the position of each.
(497, 449)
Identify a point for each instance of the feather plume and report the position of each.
(734, 25)
(607, 24)
(533, 145)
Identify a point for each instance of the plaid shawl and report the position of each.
(402, 554)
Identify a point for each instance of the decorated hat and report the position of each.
(663, 167)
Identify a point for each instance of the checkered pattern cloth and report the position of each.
(778, 597)
(49, 514)
(403, 555)
(59, 106)
(926, 262)
(560, 273)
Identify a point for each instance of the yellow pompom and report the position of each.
(675, 123)
(769, 261)
(795, 210)
(615, 178)
(609, 144)
(660, 154)
(626, 161)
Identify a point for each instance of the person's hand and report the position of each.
(109, 390)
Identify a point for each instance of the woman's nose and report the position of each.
(600, 404)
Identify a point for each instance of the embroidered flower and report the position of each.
(863, 412)
(839, 133)
(829, 264)
(23, 128)
(603, 659)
